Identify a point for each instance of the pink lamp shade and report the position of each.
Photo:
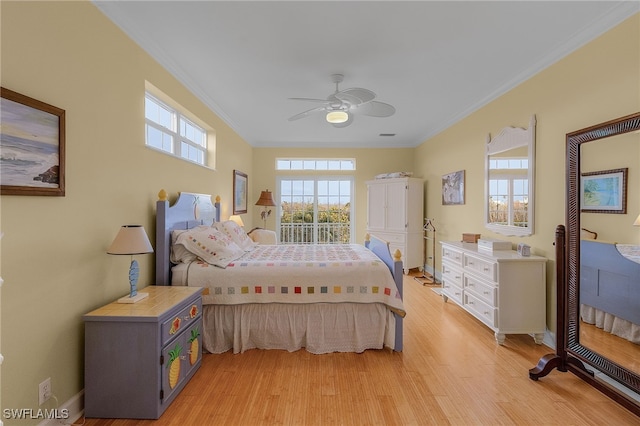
(130, 240)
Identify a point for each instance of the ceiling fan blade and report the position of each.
(375, 109)
(355, 96)
(324, 101)
(306, 113)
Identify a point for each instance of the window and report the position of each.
(315, 210)
(169, 131)
(508, 191)
(315, 164)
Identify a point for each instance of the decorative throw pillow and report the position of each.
(237, 234)
(210, 245)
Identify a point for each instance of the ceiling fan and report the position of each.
(341, 106)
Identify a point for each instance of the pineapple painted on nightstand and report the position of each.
(194, 349)
(174, 365)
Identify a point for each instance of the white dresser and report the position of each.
(395, 214)
(505, 291)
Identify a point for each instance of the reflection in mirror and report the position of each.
(609, 288)
(509, 180)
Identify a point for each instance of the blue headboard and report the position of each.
(188, 211)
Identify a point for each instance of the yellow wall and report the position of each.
(53, 253)
(54, 262)
(596, 83)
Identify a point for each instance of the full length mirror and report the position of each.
(603, 177)
(595, 275)
(509, 180)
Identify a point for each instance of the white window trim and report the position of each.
(316, 178)
(210, 135)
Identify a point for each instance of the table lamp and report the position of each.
(131, 240)
(265, 200)
(237, 219)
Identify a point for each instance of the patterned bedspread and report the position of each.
(630, 251)
(299, 274)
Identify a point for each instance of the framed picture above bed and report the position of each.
(32, 146)
(240, 188)
(604, 191)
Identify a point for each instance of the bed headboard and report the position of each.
(189, 210)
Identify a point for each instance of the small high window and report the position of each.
(170, 131)
(315, 164)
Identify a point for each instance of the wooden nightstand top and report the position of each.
(160, 300)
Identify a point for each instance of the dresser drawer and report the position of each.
(181, 320)
(488, 314)
(488, 293)
(452, 283)
(452, 275)
(485, 268)
(451, 255)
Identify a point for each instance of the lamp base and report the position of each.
(135, 299)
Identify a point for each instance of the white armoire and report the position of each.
(395, 214)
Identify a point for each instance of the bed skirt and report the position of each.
(610, 323)
(319, 328)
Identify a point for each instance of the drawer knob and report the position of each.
(486, 269)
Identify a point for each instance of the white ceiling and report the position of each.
(436, 62)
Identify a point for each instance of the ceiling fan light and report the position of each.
(337, 117)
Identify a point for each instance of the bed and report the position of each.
(323, 298)
(610, 287)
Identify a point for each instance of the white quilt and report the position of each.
(299, 274)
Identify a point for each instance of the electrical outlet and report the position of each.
(44, 391)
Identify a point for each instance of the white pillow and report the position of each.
(236, 233)
(179, 253)
(210, 245)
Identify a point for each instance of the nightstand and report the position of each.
(138, 357)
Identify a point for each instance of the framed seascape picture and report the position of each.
(604, 191)
(31, 146)
(240, 188)
(453, 188)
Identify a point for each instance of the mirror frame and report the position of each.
(509, 138)
(571, 355)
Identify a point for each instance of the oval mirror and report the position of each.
(509, 180)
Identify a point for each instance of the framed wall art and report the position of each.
(32, 146)
(604, 191)
(240, 188)
(453, 188)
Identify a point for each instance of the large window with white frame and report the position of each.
(315, 209)
(169, 130)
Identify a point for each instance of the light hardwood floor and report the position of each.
(450, 372)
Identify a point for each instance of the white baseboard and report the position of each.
(72, 409)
